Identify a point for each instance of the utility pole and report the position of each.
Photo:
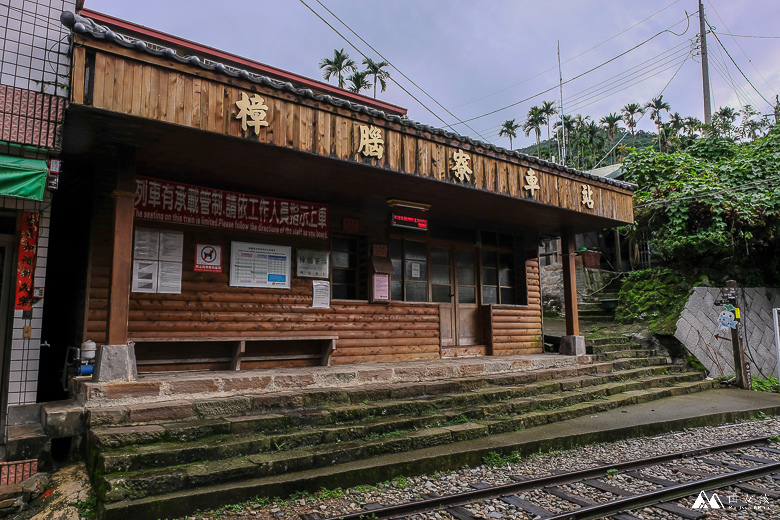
(563, 121)
(705, 67)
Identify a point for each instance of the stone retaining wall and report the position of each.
(697, 329)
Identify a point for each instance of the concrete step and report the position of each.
(160, 453)
(351, 424)
(607, 340)
(160, 492)
(628, 354)
(237, 406)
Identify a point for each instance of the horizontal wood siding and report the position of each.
(135, 83)
(208, 307)
(518, 330)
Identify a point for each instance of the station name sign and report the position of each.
(179, 203)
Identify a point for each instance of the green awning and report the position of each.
(20, 177)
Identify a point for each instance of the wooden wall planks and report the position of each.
(139, 84)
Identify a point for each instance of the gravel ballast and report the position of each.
(330, 503)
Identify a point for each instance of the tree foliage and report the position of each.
(715, 205)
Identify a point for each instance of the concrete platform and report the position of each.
(168, 386)
(711, 407)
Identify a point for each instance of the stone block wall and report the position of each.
(697, 329)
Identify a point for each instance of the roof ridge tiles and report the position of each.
(86, 26)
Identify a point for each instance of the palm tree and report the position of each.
(691, 125)
(630, 112)
(534, 121)
(579, 135)
(548, 110)
(339, 65)
(723, 120)
(677, 123)
(591, 133)
(655, 106)
(375, 69)
(610, 123)
(509, 129)
(359, 81)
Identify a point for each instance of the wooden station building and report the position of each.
(223, 214)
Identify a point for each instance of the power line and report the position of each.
(746, 35)
(744, 187)
(735, 64)
(388, 61)
(609, 87)
(575, 77)
(743, 50)
(573, 57)
(361, 53)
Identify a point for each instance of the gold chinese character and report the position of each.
(460, 168)
(587, 196)
(255, 109)
(371, 142)
(531, 182)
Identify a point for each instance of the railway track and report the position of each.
(597, 492)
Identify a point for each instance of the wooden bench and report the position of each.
(239, 350)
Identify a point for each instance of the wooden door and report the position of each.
(442, 293)
(467, 330)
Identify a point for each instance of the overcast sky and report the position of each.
(476, 57)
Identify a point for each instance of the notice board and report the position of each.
(259, 265)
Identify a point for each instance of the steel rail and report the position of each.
(421, 506)
(665, 494)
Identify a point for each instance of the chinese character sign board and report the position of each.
(26, 268)
(179, 203)
(313, 264)
(259, 265)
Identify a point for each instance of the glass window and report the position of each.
(499, 282)
(344, 274)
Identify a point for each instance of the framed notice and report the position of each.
(157, 257)
(312, 264)
(381, 287)
(259, 265)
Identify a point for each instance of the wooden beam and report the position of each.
(570, 285)
(122, 254)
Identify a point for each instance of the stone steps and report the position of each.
(144, 455)
(216, 443)
(121, 489)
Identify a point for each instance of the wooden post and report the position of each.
(570, 285)
(122, 256)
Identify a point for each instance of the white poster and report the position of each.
(169, 277)
(171, 246)
(147, 244)
(259, 265)
(144, 276)
(320, 294)
(157, 257)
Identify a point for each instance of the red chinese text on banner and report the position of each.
(179, 203)
(25, 271)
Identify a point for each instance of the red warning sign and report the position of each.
(208, 258)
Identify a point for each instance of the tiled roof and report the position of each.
(87, 27)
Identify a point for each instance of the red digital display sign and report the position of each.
(410, 222)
